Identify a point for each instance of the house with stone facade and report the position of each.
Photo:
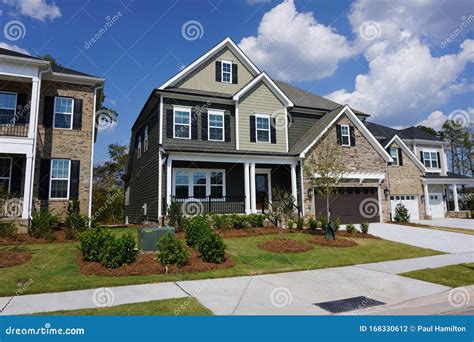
(47, 134)
(222, 136)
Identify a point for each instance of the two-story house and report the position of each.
(47, 133)
(222, 136)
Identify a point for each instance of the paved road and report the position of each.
(427, 238)
(449, 222)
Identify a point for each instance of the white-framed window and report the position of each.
(215, 130)
(345, 135)
(5, 173)
(63, 112)
(394, 155)
(7, 107)
(182, 122)
(262, 128)
(226, 71)
(59, 180)
(430, 159)
(139, 147)
(127, 196)
(145, 139)
(199, 183)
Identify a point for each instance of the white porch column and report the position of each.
(168, 181)
(27, 194)
(427, 199)
(455, 197)
(34, 106)
(246, 188)
(294, 191)
(253, 192)
(160, 195)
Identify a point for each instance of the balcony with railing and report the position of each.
(13, 126)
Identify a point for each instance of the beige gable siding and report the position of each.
(261, 100)
(204, 77)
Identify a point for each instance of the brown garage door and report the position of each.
(354, 205)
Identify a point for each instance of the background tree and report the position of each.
(324, 168)
(461, 146)
(429, 130)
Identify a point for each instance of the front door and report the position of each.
(261, 191)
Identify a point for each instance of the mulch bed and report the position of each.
(12, 258)
(285, 246)
(233, 233)
(338, 242)
(23, 239)
(147, 263)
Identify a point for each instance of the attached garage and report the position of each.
(409, 201)
(351, 205)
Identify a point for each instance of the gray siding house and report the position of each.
(222, 136)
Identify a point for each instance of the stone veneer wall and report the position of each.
(360, 158)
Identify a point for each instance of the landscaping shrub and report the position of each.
(364, 228)
(7, 229)
(196, 228)
(212, 249)
(401, 213)
(300, 223)
(239, 221)
(324, 221)
(337, 224)
(256, 220)
(312, 223)
(74, 222)
(119, 251)
(291, 224)
(93, 242)
(172, 251)
(42, 224)
(221, 222)
(175, 215)
(350, 228)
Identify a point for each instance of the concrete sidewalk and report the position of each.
(449, 223)
(282, 293)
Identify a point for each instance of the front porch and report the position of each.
(228, 185)
(13, 186)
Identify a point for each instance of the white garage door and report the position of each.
(410, 202)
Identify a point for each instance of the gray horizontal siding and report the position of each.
(300, 124)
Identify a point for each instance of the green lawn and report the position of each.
(53, 267)
(167, 307)
(453, 276)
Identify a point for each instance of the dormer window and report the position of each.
(430, 159)
(226, 71)
(345, 135)
(394, 155)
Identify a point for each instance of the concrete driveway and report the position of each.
(449, 223)
(427, 238)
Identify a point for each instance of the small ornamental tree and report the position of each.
(401, 213)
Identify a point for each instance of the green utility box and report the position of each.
(149, 236)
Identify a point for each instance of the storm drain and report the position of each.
(348, 304)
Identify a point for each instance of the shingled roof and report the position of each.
(384, 134)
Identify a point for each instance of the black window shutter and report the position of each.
(421, 157)
(439, 159)
(194, 125)
(218, 72)
(16, 176)
(400, 158)
(45, 167)
(338, 134)
(273, 135)
(74, 182)
(48, 111)
(169, 123)
(77, 119)
(352, 135)
(22, 108)
(227, 127)
(235, 75)
(204, 119)
(252, 128)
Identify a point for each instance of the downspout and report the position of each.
(89, 211)
(35, 138)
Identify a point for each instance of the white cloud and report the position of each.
(36, 9)
(293, 46)
(13, 48)
(437, 118)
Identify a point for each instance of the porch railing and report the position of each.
(12, 126)
(208, 204)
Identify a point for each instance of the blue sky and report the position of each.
(388, 58)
